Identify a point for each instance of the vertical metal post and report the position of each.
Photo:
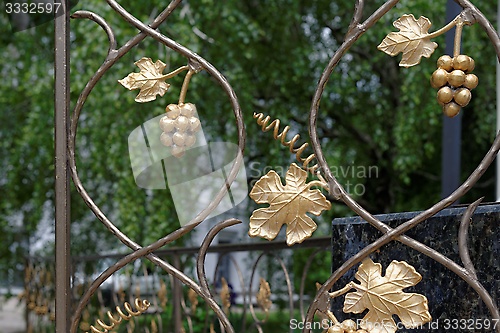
(177, 297)
(62, 195)
(497, 189)
(26, 286)
(451, 150)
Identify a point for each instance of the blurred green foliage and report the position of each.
(374, 115)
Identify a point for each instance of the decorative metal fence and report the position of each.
(248, 301)
(378, 297)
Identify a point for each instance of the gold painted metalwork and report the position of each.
(162, 293)
(225, 295)
(383, 296)
(288, 204)
(365, 288)
(414, 41)
(193, 299)
(154, 326)
(121, 294)
(32, 302)
(137, 291)
(150, 80)
(453, 77)
(264, 296)
(23, 295)
(263, 122)
(84, 323)
(140, 305)
(130, 327)
(42, 310)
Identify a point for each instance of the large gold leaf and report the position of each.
(412, 40)
(383, 296)
(288, 205)
(150, 80)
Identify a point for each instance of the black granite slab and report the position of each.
(453, 304)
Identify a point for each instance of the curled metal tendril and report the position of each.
(263, 122)
(141, 307)
(99, 20)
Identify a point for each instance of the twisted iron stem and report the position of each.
(263, 122)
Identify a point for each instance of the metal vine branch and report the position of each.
(383, 297)
(453, 77)
(414, 41)
(289, 203)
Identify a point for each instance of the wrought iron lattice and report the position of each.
(289, 203)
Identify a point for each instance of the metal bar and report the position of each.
(497, 185)
(177, 291)
(62, 195)
(316, 242)
(26, 300)
(452, 127)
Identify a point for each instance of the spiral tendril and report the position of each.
(263, 122)
(141, 307)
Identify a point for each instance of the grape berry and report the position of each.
(179, 127)
(454, 80)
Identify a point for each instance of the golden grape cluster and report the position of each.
(179, 126)
(347, 326)
(454, 80)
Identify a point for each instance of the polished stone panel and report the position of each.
(449, 296)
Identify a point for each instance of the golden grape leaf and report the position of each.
(162, 293)
(264, 295)
(383, 296)
(150, 80)
(288, 205)
(225, 295)
(193, 298)
(154, 326)
(412, 39)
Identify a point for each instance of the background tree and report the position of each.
(373, 112)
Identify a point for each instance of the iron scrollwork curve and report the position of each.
(355, 31)
(112, 57)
